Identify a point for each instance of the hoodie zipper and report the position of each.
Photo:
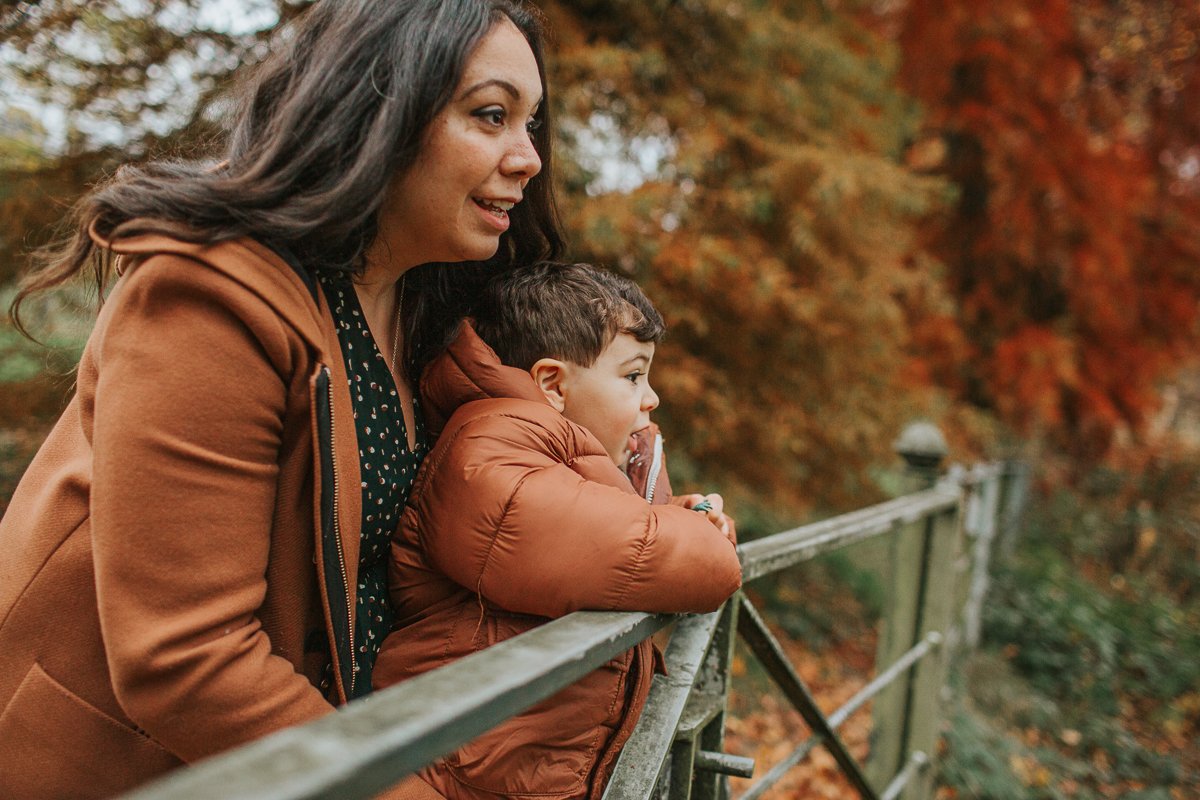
(336, 533)
(656, 462)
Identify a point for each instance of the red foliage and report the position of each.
(1072, 247)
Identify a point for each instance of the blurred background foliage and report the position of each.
(852, 213)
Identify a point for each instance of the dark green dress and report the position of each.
(388, 469)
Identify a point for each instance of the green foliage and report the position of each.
(22, 360)
(1088, 647)
(1066, 638)
(1006, 742)
(60, 322)
(18, 362)
(37, 378)
(22, 141)
(978, 760)
(1089, 687)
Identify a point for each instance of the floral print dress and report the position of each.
(388, 469)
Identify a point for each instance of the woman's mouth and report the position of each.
(494, 212)
(497, 208)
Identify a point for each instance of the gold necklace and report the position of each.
(396, 327)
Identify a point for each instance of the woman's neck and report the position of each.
(387, 259)
(380, 303)
(376, 296)
(376, 287)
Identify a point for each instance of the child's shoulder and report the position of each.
(519, 424)
(500, 413)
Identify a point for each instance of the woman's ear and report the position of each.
(551, 376)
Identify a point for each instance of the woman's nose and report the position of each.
(522, 159)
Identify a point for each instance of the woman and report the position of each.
(244, 406)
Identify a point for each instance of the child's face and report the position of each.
(612, 398)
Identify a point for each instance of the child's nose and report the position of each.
(649, 399)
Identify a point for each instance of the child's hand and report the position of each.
(713, 507)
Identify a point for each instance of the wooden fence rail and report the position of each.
(934, 593)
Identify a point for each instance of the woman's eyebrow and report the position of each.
(503, 84)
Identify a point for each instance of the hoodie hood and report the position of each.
(248, 262)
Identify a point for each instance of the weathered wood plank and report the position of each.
(984, 533)
(938, 612)
(779, 551)
(895, 638)
(371, 743)
(714, 679)
(724, 764)
(916, 764)
(884, 679)
(641, 761)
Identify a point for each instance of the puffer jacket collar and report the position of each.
(470, 370)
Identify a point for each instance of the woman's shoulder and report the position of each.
(245, 260)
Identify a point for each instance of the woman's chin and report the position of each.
(475, 251)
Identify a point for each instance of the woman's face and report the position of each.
(453, 203)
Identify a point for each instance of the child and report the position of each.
(522, 512)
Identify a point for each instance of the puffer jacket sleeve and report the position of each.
(188, 407)
(540, 524)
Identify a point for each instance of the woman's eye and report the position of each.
(533, 125)
(492, 115)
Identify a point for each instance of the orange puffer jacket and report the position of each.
(518, 515)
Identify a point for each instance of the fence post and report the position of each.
(923, 447)
(937, 610)
(987, 496)
(1015, 489)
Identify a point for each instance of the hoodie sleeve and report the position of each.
(541, 524)
(186, 441)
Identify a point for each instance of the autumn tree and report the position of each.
(122, 80)
(1073, 245)
(743, 161)
(778, 230)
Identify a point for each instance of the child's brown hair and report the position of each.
(565, 311)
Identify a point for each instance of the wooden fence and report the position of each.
(939, 538)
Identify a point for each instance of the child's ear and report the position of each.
(550, 375)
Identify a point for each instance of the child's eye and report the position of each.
(493, 115)
(633, 377)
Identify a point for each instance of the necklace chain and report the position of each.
(396, 327)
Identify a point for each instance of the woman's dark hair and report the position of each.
(324, 123)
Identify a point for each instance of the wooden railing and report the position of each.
(938, 538)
